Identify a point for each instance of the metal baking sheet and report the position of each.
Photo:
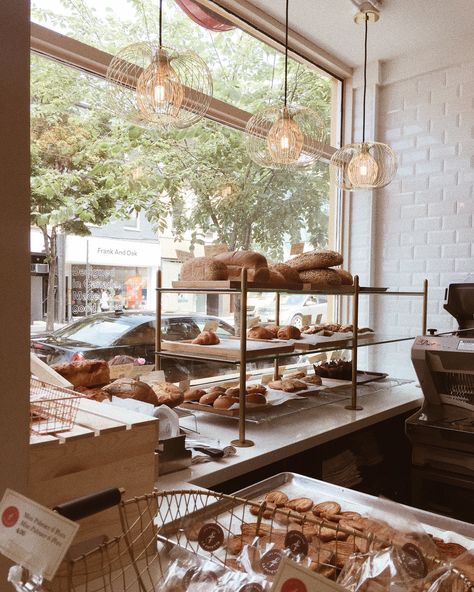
(295, 485)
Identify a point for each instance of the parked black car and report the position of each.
(107, 334)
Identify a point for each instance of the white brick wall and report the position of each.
(423, 221)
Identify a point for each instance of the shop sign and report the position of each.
(106, 251)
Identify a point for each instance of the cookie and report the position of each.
(300, 504)
(326, 508)
(315, 260)
(321, 278)
(268, 512)
(255, 388)
(277, 497)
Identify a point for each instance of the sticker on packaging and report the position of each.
(293, 577)
(33, 536)
(211, 325)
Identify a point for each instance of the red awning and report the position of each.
(204, 16)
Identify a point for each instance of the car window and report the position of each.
(179, 329)
(100, 332)
(292, 300)
(311, 300)
(141, 335)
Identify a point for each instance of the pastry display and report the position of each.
(321, 278)
(329, 329)
(203, 269)
(340, 369)
(129, 388)
(260, 333)
(346, 277)
(206, 338)
(84, 372)
(289, 332)
(255, 263)
(168, 394)
(315, 260)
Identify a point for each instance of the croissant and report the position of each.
(260, 333)
(206, 338)
(273, 329)
(289, 332)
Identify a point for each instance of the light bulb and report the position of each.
(363, 169)
(285, 140)
(159, 90)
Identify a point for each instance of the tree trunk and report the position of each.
(50, 248)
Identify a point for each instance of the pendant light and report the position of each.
(282, 137)
(157, 85)
(364, 165)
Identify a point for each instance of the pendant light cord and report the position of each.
(365, 77)
(286, 53)
(160, 39)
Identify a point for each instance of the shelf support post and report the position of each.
(276, 363)
(158, 321)
(424, 324)
(355, 338)
(242, 442)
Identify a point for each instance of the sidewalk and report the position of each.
(40, 327)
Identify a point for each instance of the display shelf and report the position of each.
(242, 288)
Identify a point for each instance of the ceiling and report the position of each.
(404, 26)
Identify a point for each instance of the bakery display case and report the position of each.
(239, 352)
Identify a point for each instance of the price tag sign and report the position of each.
(183, 255)
(317, 358)
(213, 250)
(293, 577)
(121, 371)
(33, 536)
(211, 325)
(254, 322)
(297, 249)
(266, 378)
(154, 377)
(306, 320)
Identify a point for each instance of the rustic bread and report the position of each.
(84, 372)
(289, 332)
(201, 269)
(315, 260)
(255, 263)
(168, 394)
(260, 333)
(346, 277)
(193, 394)
(96, 393)
(128, 388)
(321, 278)
(288, 273)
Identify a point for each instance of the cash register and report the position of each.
(442, 432)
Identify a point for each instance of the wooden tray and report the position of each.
(310, 342)
(235, 285)
(229, 349)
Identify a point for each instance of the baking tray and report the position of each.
(229, 348)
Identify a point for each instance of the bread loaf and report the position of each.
(260, 333)
(206, 338)
(288, 273)
(254, 262)
(84, 372)
(289, 332)
(224, 402)
(96, 394)
(346, 277)
(128, 388)
(200, 269)
(168, 394)
(193, 394)
(321, 278)
(315, 260)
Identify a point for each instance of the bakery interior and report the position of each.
(312, 381)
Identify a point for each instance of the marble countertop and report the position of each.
(289, 435)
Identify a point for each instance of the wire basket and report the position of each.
(52, 408)
(137, 560)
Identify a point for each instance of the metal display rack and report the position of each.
(242, 289)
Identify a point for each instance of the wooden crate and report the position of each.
(108, 447)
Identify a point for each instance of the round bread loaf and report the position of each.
(209, 398)
(315, 260)
(288, 273)
(128, 388)
(255, 388)
(201, 269)
(206, 338)
(193, 394)
(217, 389)
(256, 399)
(224, 402)
(346, 277)
(255, 263)
(96, 394)
(275, 278)
(168, 394)
(273, 330)
(321, 278)
(233, 391)
(260, 333)
(289, 332)
(84, 372)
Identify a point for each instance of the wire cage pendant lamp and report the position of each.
(365, 164)
(285, 137)
(157, 85)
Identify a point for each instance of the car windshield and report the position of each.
(223, 330)
(99, 332)
(292, 300)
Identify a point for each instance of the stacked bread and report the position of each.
(318, 268)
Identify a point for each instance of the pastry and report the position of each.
(295, 374)
(217, 389)
(96, 394)
(300, 504)
(206, 338)
(326, 508)
(209, 398)
(334, 369)
(232, 391)
(201, 269)
(315, 260)
(255, 529)
(273, 329)
(193, 394)
(299, 385)
(255, 399)
(346, 277)
(225, 402)
(255, 263)
(84, 372)
(277, 497)
(259, 333)
(256, 388)
(168, 394)
(320, 278)
(288, 273)
(268, 512)
(289, 332)
(129, 388)
(312, 379)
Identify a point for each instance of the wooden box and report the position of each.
(108, 447)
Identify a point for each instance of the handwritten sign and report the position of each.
(293, 577)
(183, 255)
(154, 377)
(211, 325)
(213, 250)
(33, 536)
(297, 249)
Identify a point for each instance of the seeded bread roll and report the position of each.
(290, 274)
(84, 372)
(321, 278)
(315, 260)
(346, 277)
(255, 263)
(201, 269)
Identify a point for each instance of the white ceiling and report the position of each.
(404, 27)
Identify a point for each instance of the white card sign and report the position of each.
(297, 249)
(306, 320)
(254, 322)
(293, 577)
(33, 536)
(154, 377)
(211, 325)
